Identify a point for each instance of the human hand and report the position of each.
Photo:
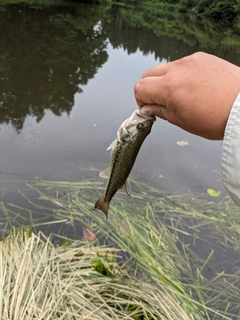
(195, 93)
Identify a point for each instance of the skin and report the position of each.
(196, 93)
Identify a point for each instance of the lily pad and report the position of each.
(214, 193)
(182, 143)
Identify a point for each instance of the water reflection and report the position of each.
(48, 54)
(170, 35)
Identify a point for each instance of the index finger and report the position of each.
(159, 70)
(151, 90)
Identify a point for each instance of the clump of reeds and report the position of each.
(75, 281)
(158, 234)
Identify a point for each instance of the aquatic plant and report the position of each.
(184, 249)
(41, 281)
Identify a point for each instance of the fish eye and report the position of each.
(140, 126)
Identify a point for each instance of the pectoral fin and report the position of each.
(112, 145)
(105, 173)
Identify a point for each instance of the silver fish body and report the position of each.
(125, 148)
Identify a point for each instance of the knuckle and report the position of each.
(145, 74)
(172, 86)
(136, 88)
(193, 58)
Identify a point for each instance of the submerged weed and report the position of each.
(160, 237)
(104, 265)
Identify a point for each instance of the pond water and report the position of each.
(67, 75)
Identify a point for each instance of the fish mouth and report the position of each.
(144, 115)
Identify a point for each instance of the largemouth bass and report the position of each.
(125, 148)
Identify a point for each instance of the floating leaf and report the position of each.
(58, 203)
(213, 193)
(182, 143)
(88, 234)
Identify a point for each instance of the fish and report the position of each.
(125, 148)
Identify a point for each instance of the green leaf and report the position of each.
(213, 193)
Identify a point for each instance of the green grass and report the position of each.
(159, 237)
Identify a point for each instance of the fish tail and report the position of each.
(103, 205)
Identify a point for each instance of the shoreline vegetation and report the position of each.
(223, 10)
(156, 257)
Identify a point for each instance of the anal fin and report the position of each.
(124, 187)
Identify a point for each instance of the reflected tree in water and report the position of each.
(168, 34)
(45, 57)
(47, 54)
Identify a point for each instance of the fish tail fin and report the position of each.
(103, 205)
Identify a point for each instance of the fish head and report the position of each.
(136, 127)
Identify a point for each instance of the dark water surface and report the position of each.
(66, 77)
